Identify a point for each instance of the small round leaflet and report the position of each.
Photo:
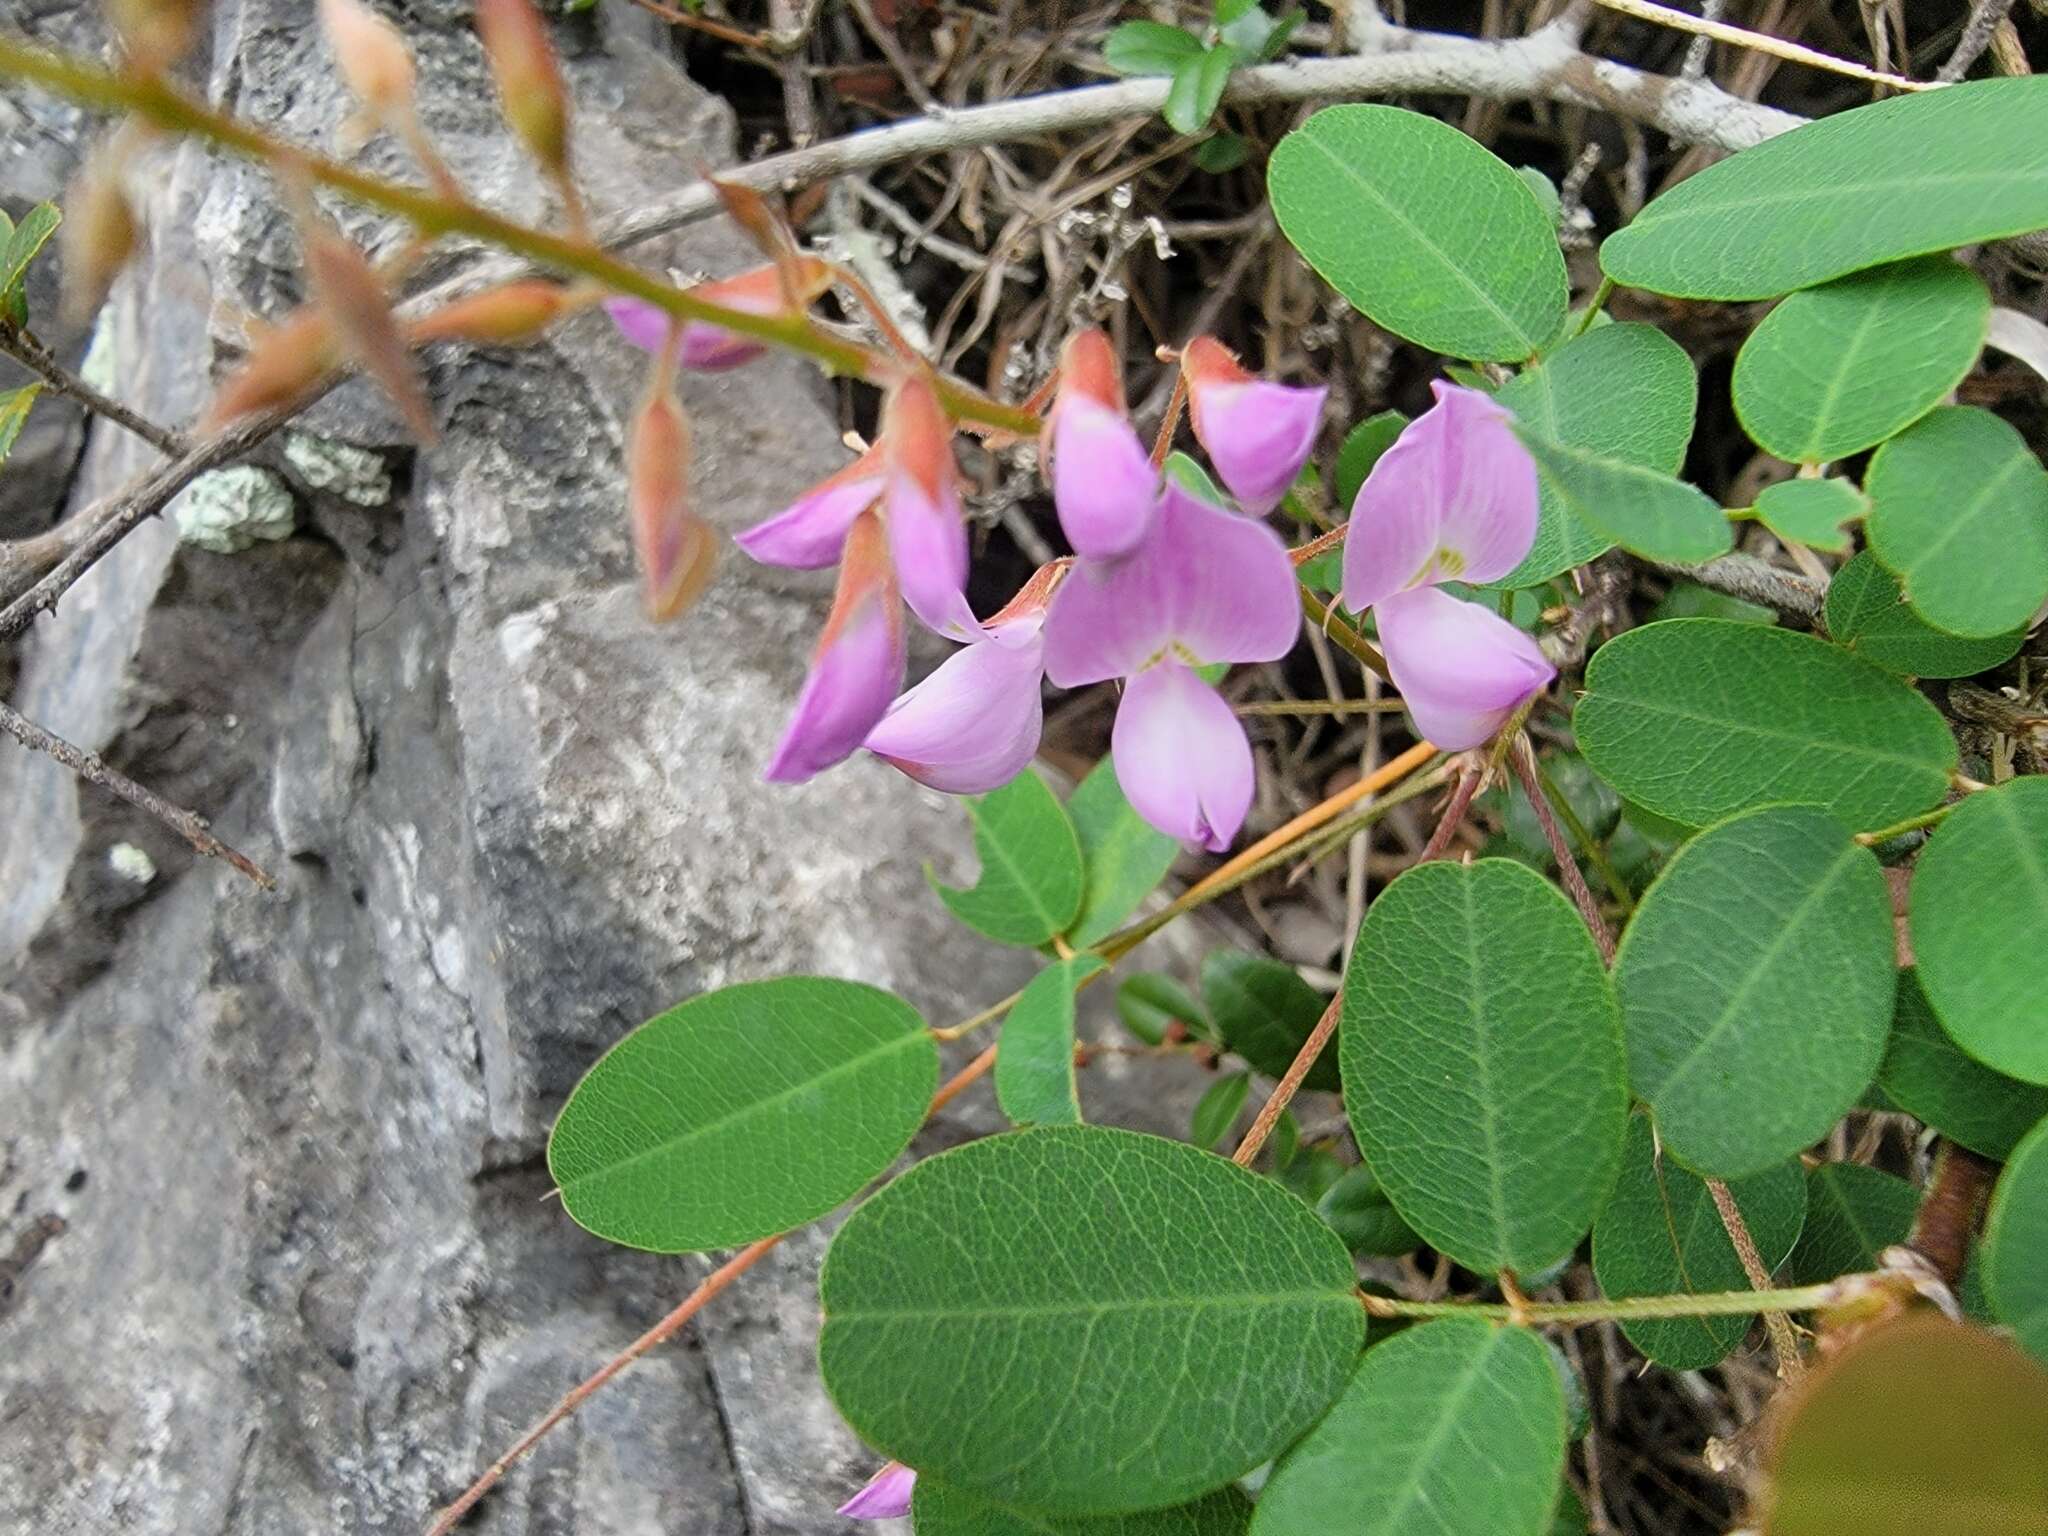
(1078, 1320)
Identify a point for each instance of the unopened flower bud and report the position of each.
(508, 316)
(530, 89)
(352, 296)
(282, 367)
(677, 549)
(156, 33)
(372, 55)
(98, 235)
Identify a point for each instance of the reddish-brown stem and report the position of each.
(1283, 1094)
(1170, 422)
(1523, 757)
(1784, 1342)
(1462, 791)
(1321, 544)
(1948, 1211)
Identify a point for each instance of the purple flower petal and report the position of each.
(858, 669)
(1103, 482)
(713, 349)
(1454, 499)
(643, 324)
(1462, 669)
(809, 534)
(928, 542)
(886, 1496)
(1257, 434)
(974, 724)
(1182, 757)
(1218, 586)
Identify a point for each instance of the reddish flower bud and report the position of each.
(677, 549)
(349, 291)
(508, 316)
(1103, 482)
(1258, 434)
(281, 368)
(372, 55)
(99, 233)
(530, 89)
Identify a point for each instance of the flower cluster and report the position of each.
(1163, 583)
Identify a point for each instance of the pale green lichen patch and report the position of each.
(230, 510)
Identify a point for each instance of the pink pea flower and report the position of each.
(1204, 586)
(1258, 434)
(1103, 482)
(858, 666)
(886, 1496)
(708, 348)
(1453, 499)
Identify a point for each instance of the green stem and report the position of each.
(1803, 1298)
(1594, 305)
(1910, 824)
(435, 215)
(1595, 851)
(1346, 637)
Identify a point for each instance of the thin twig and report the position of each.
(1805, 1298)
(1283, 1093)
(1753, 581)
(92, 768)
(25, 349)
(1985, 17)
(1784, 1341)
(1522, 757)
(1453, 814)
(1758, 42)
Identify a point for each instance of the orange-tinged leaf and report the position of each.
(282, 365)
(677, 549)
(99, 232)
(1921, 1426)
(530, 89)
(372, 55)
(348, 290)
(507, 316)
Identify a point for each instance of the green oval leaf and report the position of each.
(1082, 1320)
(1031, 880)
(1853, 1214)
(23, 242)
(1124, 857)
(1959, 513)
(741, 1113)
(1928, 1076)
(1756, 986)
(1836, 369)
(1662, 1236)
(1852, 1457)
(2016, 1244)
(1361, 449)
(1455, 1426)
(1626, 392)
(1217, 1110)
(1812, 512)
(937, 1510)
(1905, 177)
(1431, 236)
(14, 409)
(1478, 1025)
(1150, 1004)
(1035, 1068)
(1696, 719)
(1359, 1212)
(1645, 512)
(1197, 89)
(1866, 614)
(1149, 48)
(1265, 1012)
(1979, 909)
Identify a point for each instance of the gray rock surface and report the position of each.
(274, 1252)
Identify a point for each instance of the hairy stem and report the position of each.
(1613, 1309)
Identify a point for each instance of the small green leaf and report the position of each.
(1150, 1004)
(1361, 449)
(1661, 1235)
(1645, 512)
(1198, 89)
(1431, 236)
(23, 242)
(1217, 1110)
(2016, 1241)
(1192, 478)
(1149, 48)
(1571, 1515)
(1031, 880)
(1358, 1211)
(1625, 392)
(1853, 1214)
(1866, 615)
(937, 1510)
(1839, 368)
(1979, 902)
(741, 1113)
(1696, 719)
(1264, 1011)
(1081, 1320)
(1124, 857)
(1927, 1075)
(1282, 34)
(1756, 987)
(1812, 512)
(1222, 152)
(1959, 513)
(1853, 1457)
(1035, 1068)
(1245, 32)
(1546, 193)
(1452, 1427)
(14, 409)
(1906, 177)
(1478, 1024)
(1690, 600)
